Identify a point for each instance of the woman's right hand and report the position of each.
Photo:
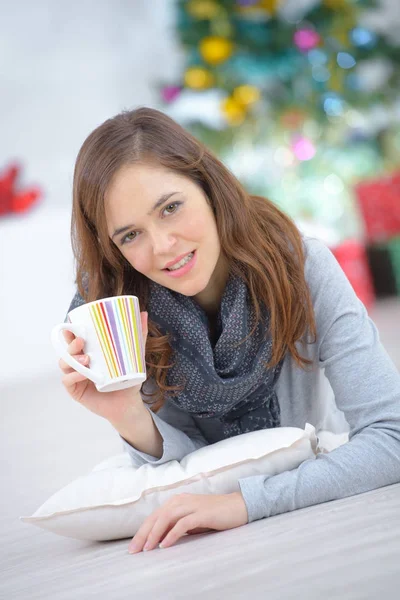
(117, 406)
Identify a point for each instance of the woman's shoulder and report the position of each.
(315, 249)
(321, 267)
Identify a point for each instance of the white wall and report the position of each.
(64, 67)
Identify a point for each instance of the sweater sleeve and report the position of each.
(180, 434)
(366, 385)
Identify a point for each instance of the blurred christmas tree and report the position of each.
(298, 97)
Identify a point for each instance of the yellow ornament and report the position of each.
(246, 94)
(215, 49)
(198, 78)
(269, 5)
(203, 9)
(233, 111)
(258, 9)
(335, 3)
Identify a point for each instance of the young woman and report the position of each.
(249, 326)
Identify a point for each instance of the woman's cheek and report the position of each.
(138, 261)
(193, 228)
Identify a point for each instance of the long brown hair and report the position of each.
(262, 244)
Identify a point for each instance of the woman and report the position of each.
(248, 322)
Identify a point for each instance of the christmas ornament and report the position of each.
(198, 78)
(269, 5)
(303, 148)
(170, 92)
(203, 9)
(215, 50)
(364, 38)
(306, 39)
(246, 94)
(233, 111)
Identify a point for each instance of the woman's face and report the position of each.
(157, 218)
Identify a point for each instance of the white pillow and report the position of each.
(112, 501)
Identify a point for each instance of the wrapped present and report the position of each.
(379, 202)
(352, 257)
(394, 251)
(382, 270)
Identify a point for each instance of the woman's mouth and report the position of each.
(183, 266)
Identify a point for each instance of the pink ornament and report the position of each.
(306, 39)
(303, 148)
(170, 92)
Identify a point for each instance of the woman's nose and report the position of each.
(162, 242)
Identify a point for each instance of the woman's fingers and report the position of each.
(76, 346)
(66, 368)
(68, 336)
(144, 319)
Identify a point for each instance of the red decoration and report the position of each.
(379, 202)
(352, 257)
(12, 199)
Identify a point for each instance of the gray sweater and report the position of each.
(353, 386)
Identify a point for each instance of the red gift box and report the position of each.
(352, 257)
(379, 202)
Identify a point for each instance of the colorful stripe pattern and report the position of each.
(118, 328)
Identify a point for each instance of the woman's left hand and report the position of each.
(189, 513)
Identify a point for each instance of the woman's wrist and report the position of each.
(135, 410)
(139, 430)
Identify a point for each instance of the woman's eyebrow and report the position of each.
(159, 202)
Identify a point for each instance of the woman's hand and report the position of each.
(189, 513)
(113, 406)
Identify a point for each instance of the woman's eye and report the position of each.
(128, 237)
(174, 205)
(132, 235)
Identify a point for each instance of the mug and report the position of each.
(112, 331)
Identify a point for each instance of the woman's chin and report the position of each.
(187, 288)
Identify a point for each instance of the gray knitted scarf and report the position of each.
(229, 381)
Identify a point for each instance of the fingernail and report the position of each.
(146, 547)
(132, 548)
(82, 359)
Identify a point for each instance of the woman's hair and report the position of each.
(262, 244)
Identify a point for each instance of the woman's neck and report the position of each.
(210, 298)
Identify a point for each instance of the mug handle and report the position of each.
(61, 347)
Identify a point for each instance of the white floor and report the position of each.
(347, 549)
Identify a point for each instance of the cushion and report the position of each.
(112, 501)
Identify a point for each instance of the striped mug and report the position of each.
(112, 331)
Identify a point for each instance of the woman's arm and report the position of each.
(366, 385)
(171, 431)
(179, 433)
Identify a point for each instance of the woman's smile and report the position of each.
(183, 266)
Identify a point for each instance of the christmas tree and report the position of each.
(299, 99)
